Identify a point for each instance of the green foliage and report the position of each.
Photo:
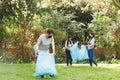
(64, 26)
(116, 3)
(18, 11)
(101, 26)
(22, 21)
(17, 18)
(3, 33)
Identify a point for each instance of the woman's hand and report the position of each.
(68, 48)
(88, 45)
(54, 54)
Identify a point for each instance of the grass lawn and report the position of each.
(75, 72)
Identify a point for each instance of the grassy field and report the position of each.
(75, 72)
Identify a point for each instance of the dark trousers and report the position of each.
(68, 57)
(90, 55)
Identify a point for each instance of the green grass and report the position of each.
(75, 72)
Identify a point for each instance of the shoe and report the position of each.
(51, 75)
(42, 76)
(97, 67)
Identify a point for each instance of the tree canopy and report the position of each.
(22, 21)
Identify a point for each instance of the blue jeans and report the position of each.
(68, 57)
(90, 55)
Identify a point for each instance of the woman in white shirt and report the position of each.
(90, 46)
(68, 45)
(42, 48)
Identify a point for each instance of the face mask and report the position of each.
(49, 36)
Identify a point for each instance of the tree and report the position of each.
(116, 3)
(17, 18)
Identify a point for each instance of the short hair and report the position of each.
(50, 31)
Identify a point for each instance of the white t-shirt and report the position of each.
(91, 43)
(44, 42)
(69, 44)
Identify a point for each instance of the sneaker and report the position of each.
(51, 75)
(42, 76)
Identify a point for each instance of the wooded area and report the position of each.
(22, 21)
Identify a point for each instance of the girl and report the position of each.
(68, 45)
(90, 46)
(45, 64)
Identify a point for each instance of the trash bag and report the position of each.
(45, 65)
(83, 53)
(78, 54)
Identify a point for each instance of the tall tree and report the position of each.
(17, 18)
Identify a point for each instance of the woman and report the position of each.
(45, 64)
(68, 45)
(90, 46)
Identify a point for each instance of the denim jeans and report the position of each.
(90, 55)
(68, 57)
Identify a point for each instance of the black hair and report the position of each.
(92, 34)
(69, 40)
(50, 31)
